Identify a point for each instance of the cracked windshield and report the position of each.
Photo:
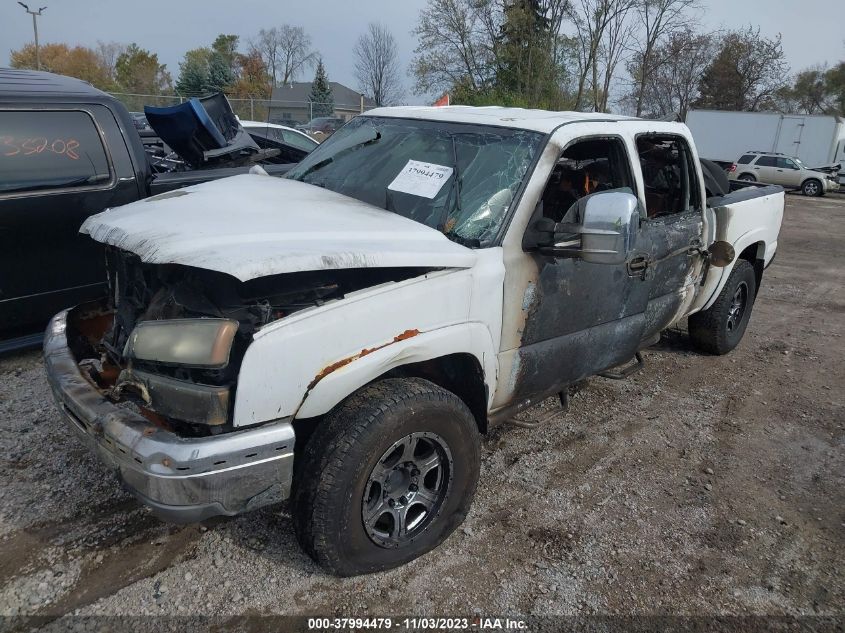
(459, 179)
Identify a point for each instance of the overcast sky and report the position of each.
(812, 29)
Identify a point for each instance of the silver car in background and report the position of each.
(780, 169)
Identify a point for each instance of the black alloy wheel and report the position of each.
(406, 489)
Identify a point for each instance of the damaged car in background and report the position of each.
(344, 336)
(68, 151)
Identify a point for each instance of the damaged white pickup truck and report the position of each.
(344, 336)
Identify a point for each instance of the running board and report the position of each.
(533, 424)
(30, 341)
(564, 400)
(622, 374)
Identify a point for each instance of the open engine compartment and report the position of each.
(141, 292)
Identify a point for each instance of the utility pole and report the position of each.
(34, 15)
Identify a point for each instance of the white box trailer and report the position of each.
(722, 136)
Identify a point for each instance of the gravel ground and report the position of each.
(699, 486)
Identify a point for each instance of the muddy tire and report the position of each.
(386, 477)
(719, 329)
(812, 188)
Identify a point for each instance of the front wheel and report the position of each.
(386, 477)
(719, 329)
(812, 188)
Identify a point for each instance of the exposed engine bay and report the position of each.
(140, 293)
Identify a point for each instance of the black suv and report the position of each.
(67, 151)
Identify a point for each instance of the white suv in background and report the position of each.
(780, 169)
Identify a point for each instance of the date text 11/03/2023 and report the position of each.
(412, 623)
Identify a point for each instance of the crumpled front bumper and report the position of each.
(181, 479)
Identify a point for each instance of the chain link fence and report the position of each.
(291, 113)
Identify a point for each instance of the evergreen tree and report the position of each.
(192, 80)
(220, 75)
(526, 70)
(193, 73)
(321, 93)
(206, 70)
(227, 47)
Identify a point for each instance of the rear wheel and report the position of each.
(720, 328)
(812, 188)
(747, 178)
(386, 477)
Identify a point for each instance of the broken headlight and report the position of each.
(185, 342)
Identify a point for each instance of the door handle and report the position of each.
(638, 265)
(695, 246)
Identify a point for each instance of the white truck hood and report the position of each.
(252, 226)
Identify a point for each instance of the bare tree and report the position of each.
(746, 73)
(285, 50)
(456, 45)
(809, 93)
(556, 11)
(377, 65)
(614, 44)
(107, 53)
(658, 19)
(463, 45)
(268, 47)
(297, 53)
(673, 86)
(591, 19)
(687, 58)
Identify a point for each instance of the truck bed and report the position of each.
(749, 218)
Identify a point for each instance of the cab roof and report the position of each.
(34, 83)
(520, 118)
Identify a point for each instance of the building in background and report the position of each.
(290, 106)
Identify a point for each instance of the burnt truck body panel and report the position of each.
(578, 315)
(566, 319)
(573, 256)
(582, 318)
(674, 249)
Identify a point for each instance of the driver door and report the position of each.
(579, 317)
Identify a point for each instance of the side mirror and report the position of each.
(611, 222)
(607, 233)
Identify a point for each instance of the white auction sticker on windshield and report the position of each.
(421, 179)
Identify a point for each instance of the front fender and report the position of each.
(290, 358)
(346, 376)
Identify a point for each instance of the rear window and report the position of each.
(745, 159)
(297, 140)
(767, 161)
(289, 137)
(669, 175)
(42, 149)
